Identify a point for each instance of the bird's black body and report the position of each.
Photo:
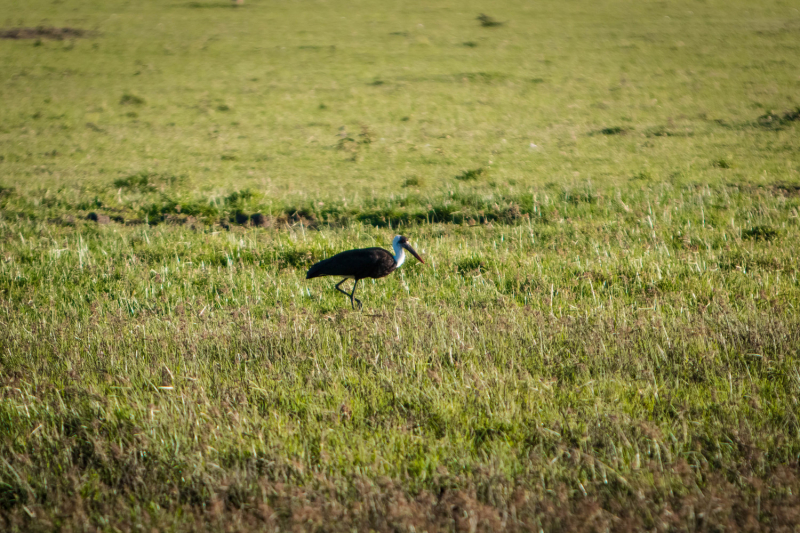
(356, 264)
(362, 263)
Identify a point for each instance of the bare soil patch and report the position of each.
(43, 32)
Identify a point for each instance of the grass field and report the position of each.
(605, 335)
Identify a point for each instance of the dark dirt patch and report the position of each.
(483, 77)
(663, 131)
(793, 115)
(259, 220)
(775, 121)
(306, 217)
(99, 218)
(787, 189)
(43, 32)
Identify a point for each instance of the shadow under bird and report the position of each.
(363, 263)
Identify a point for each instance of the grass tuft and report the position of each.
(762, 233)
(471, 175)
(614, 130)
(413, 181)
(131, 99)
(488, 22)
(473, 264)
(138, 182)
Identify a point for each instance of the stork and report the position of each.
(363, 263)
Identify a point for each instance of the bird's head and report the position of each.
(402, 242)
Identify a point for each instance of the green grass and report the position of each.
(605, 335)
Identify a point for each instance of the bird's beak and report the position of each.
(413, 252)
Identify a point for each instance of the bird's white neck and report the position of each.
(399, 254)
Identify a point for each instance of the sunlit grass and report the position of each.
(604, 335)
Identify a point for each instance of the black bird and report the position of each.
(363, 263)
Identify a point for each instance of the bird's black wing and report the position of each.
(359, 264)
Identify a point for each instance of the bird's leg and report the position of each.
(356, 299)
(338, 288)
